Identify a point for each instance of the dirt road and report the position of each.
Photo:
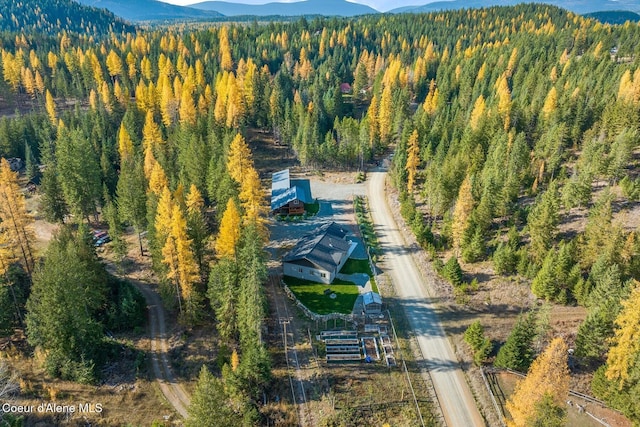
(455, 398)
(171, 389)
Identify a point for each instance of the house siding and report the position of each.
(307, 273)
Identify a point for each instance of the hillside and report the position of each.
(309, 7)
(150, 10)
(576, 6)
(615, 17)
(53, 16)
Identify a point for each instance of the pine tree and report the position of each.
(517, 351)
(197, 225)
(229, 234)
(547, 382)
(17, 224)
(132, 199)
(413, 160)
(543, 223)
(209, 406)
(79, 172)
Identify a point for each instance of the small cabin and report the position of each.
(289, 196)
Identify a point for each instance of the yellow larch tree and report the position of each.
(125, 144)
(114, 64)
(158, 181)
(550, 103)
(239, 159)
(178, 257)
(413, 160)
(372, 117)
(187, 112)
(548, 378)
(431, 101)
(229, 234)
(462, 212)
(477, 114)
(15, 222)
(226, 62)
(626, 342)
(385, 114)
(50, 106)
(504, 100)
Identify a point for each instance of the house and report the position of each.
(289, 196)
(319, 255)
(372, 303)
(345, 88)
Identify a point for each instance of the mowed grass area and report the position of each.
(353, 266)
(312, 295)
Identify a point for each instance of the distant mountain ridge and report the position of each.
(53, 16)
(300, 8)
(577, 6)
(615, 17)
(149, 10)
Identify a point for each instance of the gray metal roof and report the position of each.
(324, 247)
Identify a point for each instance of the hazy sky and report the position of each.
(381, 5)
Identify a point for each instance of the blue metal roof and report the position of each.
(279, 198)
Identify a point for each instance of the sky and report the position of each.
(381, 5)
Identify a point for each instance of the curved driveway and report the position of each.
(457, 403)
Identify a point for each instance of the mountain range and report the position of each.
(309, 7)
(153, 10)
(150, 10)
(577, 6)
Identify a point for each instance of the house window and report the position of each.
(323, 274)
(300, 270)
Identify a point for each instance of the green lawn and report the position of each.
(356, 266)
(311, 294)
(359, 266)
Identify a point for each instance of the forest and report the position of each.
(506, 124)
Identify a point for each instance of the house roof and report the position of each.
(324, 247)
(280, 180)
(371, 298)
(285, 190)
(279, 198)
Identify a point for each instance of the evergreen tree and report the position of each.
(209, 403)
(517, 352)
(543, 223)
(132, 198)
(67, 292)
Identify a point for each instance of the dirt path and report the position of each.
(172, 390)
(454, 396)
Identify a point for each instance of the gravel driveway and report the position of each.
(335, 194)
